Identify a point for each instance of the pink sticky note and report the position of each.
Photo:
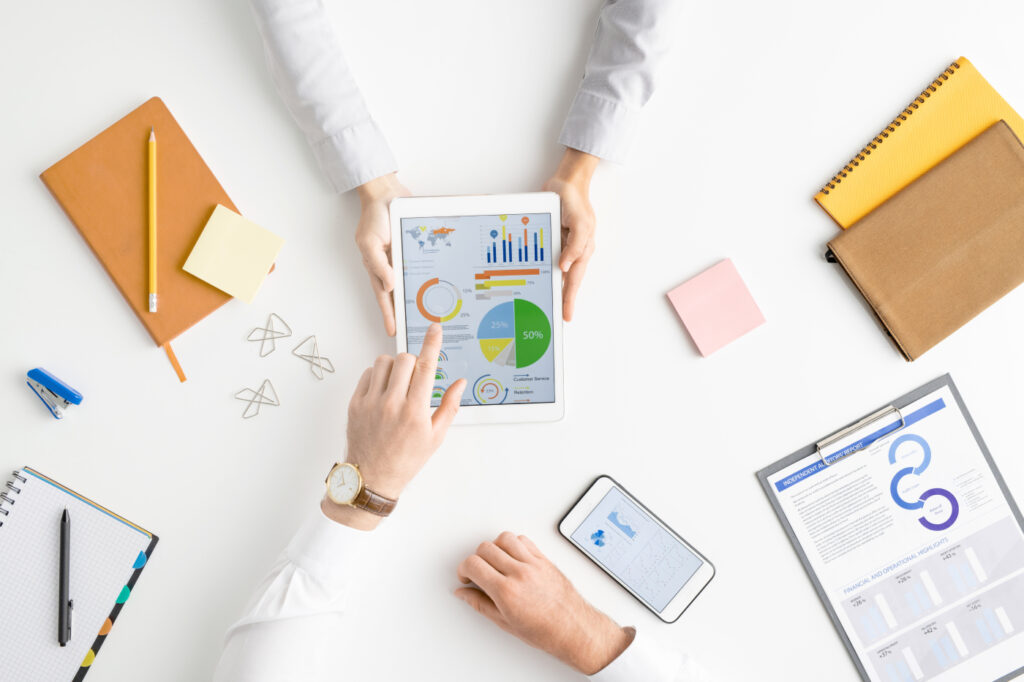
(716, 307)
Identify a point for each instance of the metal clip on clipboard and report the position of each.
(867, 421)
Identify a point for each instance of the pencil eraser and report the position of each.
(716, 307)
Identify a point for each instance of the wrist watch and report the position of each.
(345, 486)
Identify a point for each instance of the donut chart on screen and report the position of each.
(438, 300)
(487, 390)
(516, 333)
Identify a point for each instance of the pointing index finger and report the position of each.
(426, 365)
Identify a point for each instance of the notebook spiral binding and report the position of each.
(891, 128)
(8, 495)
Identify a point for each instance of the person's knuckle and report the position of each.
(507, 591)
(505, 537)
(411, 410)
(394, 403)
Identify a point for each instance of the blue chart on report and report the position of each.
(487, 281)
(636, 549)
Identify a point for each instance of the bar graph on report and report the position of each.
(962, 631)
(942, 577)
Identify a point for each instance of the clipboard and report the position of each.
(885, 421)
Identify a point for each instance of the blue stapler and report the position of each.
(54, 393)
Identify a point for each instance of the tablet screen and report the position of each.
(487, 280)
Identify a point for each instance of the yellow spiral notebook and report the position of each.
(957, 106)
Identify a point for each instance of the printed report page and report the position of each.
(917, 549)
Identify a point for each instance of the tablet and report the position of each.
(484, 268)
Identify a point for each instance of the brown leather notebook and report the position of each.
(946, 247)
(102, 188)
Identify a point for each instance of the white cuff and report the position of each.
(645, 660)
(354, 156)
(325, 549)
(599, 126)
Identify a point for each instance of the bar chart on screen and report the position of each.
(508, 244)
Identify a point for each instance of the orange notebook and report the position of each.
(102, 188)
(950, 112)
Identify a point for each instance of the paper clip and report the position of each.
(317, 363)
(270, 334)
(265, 396)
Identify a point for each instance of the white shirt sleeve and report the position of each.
(645, 660)
(314, 80)
(632, 40)
(292, 626)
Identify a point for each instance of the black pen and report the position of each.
(64, 603)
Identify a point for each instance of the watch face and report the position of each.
(344, 484)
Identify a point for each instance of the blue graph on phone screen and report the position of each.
(636, 549)
(621, 525)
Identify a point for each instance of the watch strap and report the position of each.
(374, 503)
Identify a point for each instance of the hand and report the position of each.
(373, 237)
(522, 592)
(572, 183)
(391, 432)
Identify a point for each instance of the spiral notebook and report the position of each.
(954, 108)
(107, 555)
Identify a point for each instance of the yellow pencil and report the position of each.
(152, 221)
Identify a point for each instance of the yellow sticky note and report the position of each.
(233, 254)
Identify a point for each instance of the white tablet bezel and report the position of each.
(582, 509)
(495, 204)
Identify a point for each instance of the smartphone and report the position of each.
(632, 545)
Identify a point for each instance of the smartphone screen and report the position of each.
(636, 549)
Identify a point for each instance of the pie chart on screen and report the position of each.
(514, 334)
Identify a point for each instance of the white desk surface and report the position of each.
(764, 102)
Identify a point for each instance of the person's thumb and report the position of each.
(377, 264)
(449, 407)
